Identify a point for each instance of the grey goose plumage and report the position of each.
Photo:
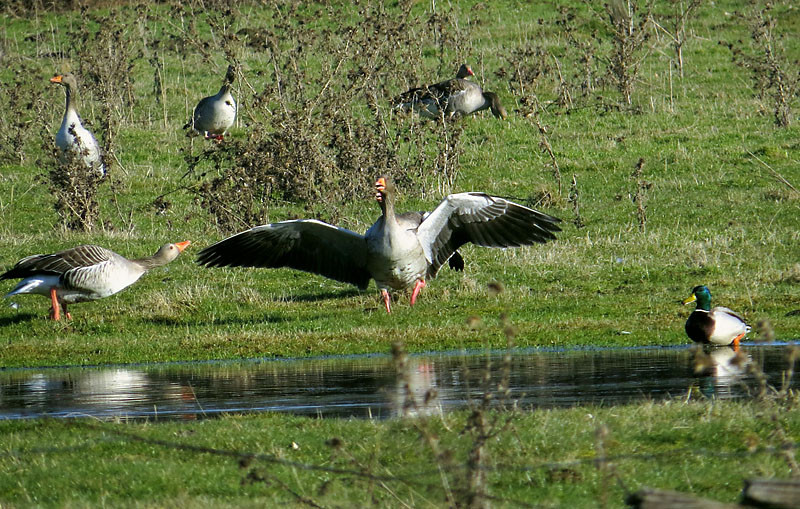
(215, 114)
(72, 138)
(398, 251)
(83, 273)
(450, 98)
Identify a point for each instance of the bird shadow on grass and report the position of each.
(17, 318)
(171, 321)
(315, 297)
(249, 316)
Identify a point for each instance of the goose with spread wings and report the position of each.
(399, 251)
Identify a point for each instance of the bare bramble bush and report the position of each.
(27, 7)
(581, 49)
(29, 119)
(448, 35)
(629, 32)
(321, 128)
(74, 185)
(100, 51)
(675, 26)
(106, 52)
(772, 73)
(524, 68)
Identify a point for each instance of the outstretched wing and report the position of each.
(305, 244)
(58, 263)
(484, 220)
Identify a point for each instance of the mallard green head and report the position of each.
(701, 295)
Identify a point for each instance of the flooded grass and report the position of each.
(375, 387)
(715, 202)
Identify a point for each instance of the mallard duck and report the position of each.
(398, 251)
(717, 326)
(72, 137)
(457, 96)
(83, 273)
(215, 114)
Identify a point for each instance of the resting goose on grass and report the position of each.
(399, 251)
(83, 273)
(215, 114)
(457, 96)
(72, 136)
(717, 326)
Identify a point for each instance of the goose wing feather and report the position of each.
(484, 220)
(78, 257)
(305, 244)
(438, 93)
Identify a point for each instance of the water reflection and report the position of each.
(369, 386)
(722, 370)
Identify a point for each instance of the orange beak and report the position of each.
(182, 245)
(380, 185)
(55, 79)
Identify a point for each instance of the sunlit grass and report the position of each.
(717, 209)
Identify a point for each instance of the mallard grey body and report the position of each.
(398, 251)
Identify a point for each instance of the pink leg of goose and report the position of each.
(385, 295)
(54, 311)
(419, 285)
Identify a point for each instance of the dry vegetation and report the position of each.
(316, 124)
(321, 124)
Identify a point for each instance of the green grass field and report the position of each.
(718, 183)
(715, 202)
(547, 458)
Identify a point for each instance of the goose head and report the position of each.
(230, 74)
(384, 189)
(464, 71)
(66, 80)
(168, 252)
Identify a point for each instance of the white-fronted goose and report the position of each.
(215, 114)
(399, 251)
(72, 136)
(457, 96)
(717, 326)
(83, 273)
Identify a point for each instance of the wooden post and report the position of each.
(647, 498)
(772, 493)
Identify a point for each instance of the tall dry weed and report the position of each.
(321, 127)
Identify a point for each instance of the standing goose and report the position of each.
(399, 251)
(83, 273)
(215, 114)
(717, 326)
(457, 96)
(72, 136)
